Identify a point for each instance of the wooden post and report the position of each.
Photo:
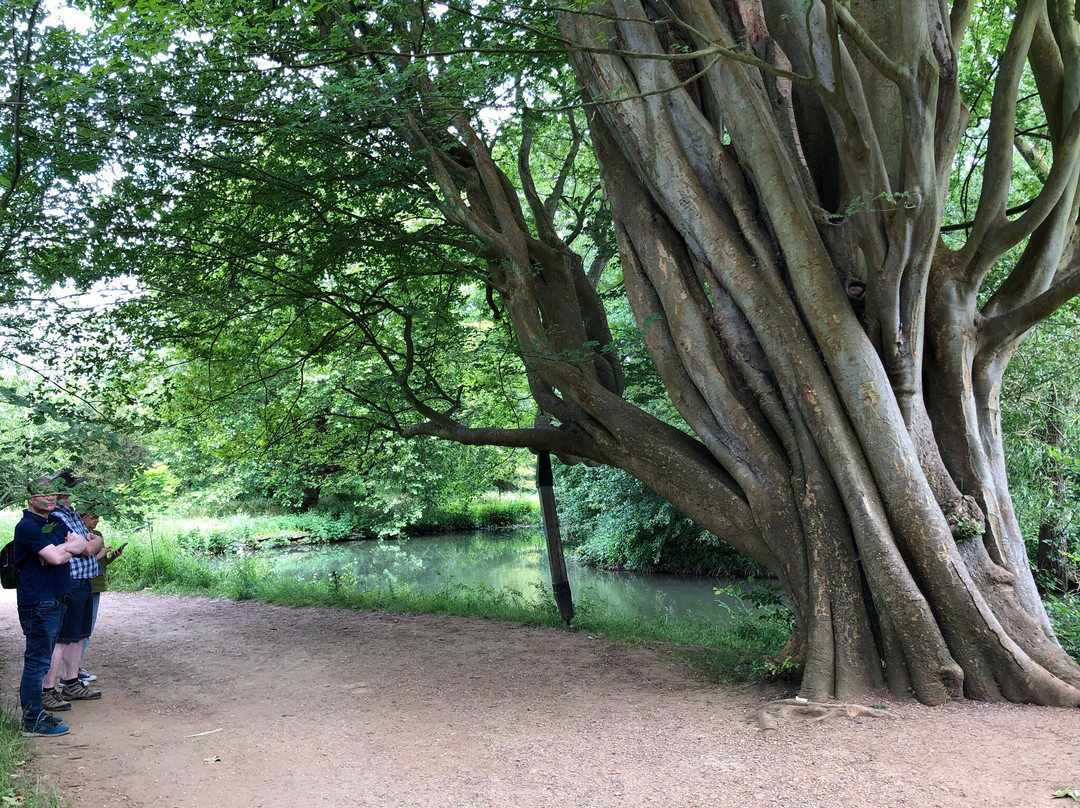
(560, 583)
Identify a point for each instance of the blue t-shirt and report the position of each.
(37, 581)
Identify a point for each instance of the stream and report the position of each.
(515, 559)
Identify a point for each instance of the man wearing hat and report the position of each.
(42, 554)
(67, 656)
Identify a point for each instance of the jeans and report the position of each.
(95, 599)
(40, 624)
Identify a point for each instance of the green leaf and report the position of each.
(1067, 792)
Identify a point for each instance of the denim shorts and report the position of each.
(79, 616)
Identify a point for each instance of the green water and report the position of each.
(516, 559)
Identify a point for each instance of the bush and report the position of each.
(1065, 616)
(614, 521)
(211, 542)
(508, 512)
(483, 514)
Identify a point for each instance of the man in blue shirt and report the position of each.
(78, 617)
(42, 552)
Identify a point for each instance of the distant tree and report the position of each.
(1041, 426)
(52, 145)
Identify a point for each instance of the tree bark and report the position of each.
(866, 443)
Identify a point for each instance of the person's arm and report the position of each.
(62, 553)
(94, 543)
(109, 554)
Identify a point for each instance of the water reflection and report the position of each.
(514, 559)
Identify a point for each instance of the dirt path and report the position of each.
(213, 703)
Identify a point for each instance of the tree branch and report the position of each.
(999, 330)
(18, 104)
(977, 257)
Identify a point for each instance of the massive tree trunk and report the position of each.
(779, 205)
(777, 187)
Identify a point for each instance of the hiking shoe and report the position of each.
(52, 700)
(79, 692)
(85, 676)
(45, 726)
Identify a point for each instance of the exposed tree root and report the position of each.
(772, 714)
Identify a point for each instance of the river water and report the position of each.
(515, 559)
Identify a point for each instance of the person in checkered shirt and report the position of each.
(67, 656)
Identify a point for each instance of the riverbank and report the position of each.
(214, 702)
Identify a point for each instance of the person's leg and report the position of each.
(49, 681)
(74, 652)
(71, 660)
(40, 624)
(95, 603)
(75, 629)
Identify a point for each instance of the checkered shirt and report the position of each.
(69, 521)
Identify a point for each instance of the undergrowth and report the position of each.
(18, 783)
(1064, 614)
(226, 534)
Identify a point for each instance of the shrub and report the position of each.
(614, 521)
(1064, 614)
(486, 513)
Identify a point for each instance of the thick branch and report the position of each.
(1002, 329)
(976, 255)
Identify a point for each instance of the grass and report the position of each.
(19, 784)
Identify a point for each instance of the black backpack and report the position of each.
(9, 570)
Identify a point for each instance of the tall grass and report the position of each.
(223, 534)
(19, 784)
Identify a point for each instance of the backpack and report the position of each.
(9, 570)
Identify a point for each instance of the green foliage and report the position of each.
(967, 528)
(614, 521)
(761, 621)
(1041, 428)
(488, 512)
(42, 431)
(1064, 614)
(211, 542)
(19, 784)
(52, 143)
(313, 292)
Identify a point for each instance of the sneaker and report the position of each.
(52, 700)
(45, 726)
(79, 692)
(85, 676)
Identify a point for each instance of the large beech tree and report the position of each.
(778, 174)
(840, 363)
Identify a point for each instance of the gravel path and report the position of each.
(211, 703)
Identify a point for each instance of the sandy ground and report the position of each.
(211, 703)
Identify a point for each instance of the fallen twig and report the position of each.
(208, 732)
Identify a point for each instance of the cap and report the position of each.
(68, 478)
